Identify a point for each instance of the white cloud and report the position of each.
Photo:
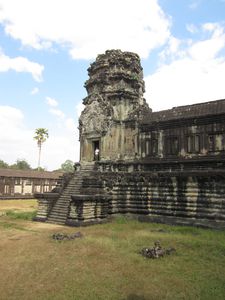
(194, 4)
(10, 117)
(208, 49)
(34, 91)
(87, 27)
(70, 124)
(191, 28)
(51, 102)
(17, 141)
(171, 49)
(195, 75)
(59, 149)
(20, 64)
(14, 137)
(63, 122)
(57, 112)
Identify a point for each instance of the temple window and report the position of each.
(211, 143)
(151, 147)
(148, 147)
(28, 182)
(17, 181)
(193, 143)
(219, 142)
(216, 142)
(172, 145)
(154, 146)
(189, 144)
(197, 143)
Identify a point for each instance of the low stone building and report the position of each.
(23, 184)
(166, 166)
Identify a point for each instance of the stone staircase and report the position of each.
(59, 212)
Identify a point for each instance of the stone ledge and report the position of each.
(202, 223)
(46, 195)
(98, 197)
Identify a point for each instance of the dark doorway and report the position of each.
(96, 150)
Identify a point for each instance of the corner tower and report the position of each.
(113, 107)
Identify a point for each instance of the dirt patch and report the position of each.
(42, 226)
(18, 205)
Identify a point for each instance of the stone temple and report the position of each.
(166, 166)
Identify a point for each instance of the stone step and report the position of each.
(59, 218)
(60, 206)
(59, 215)
(60, 209)
(59, 212)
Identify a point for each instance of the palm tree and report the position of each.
(41, 135)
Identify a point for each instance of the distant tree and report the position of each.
(21, 164)
(3, 165)
(39, 169)
(67, 166)
(41, 135)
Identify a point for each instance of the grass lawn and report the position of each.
(105, 263)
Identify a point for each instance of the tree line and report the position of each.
(22, 164)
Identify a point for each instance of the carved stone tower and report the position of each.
(114, 105)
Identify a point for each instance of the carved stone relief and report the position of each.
(96, 117)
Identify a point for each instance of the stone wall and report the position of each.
(88, 209)
(177, 197)
(187, 198)
(193, 138)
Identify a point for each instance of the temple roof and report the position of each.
(186, 112)
(29, 174)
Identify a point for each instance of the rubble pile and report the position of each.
(64, 236)
(156, 251)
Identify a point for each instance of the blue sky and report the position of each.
(46, 47)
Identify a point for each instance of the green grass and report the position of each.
(29, 215)
(11, 216)
(106, 264)
(8, 225)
